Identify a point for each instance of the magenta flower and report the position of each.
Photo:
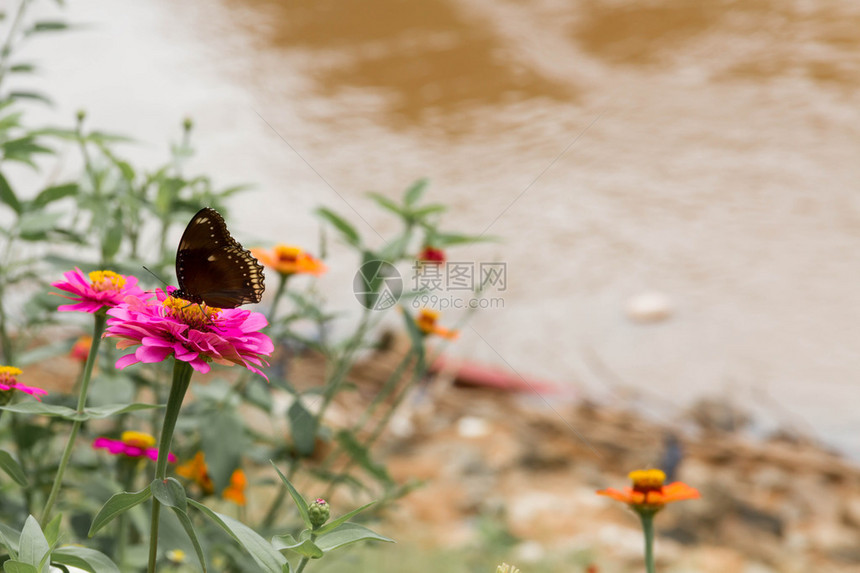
(193, 333)
(101, 289)
(9, 381)
(133, 445)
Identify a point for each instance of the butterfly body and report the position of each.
(213, 268)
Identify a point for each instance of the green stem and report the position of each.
(282, 287)
(386, 391)
(648, 528)
(181, 378)
(6, 51)
(98, 328)
(126, 471)
(305, 560)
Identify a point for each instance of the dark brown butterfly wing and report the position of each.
(212, 267)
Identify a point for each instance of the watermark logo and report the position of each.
(377, 285)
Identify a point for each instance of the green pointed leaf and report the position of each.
(117, 504)
(362, 456)
(35, 222)
(169, 492)
(305, 548)
(18, 567)
(98, 412)
(41, 408)
(300, 502)
(49, 26)
(303, 428)
(32, 547)
(348, 533)
(55, 193)
(11, 467)
(9, 538)
(258, 548)
(348, 231)
(84, 558)
(52, 530)
(387, 203)
(192, 535)
(224, 441)
(414, 193)
(7, 195)
(422, 212)
(342, 519)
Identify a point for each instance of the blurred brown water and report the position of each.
(704, 150)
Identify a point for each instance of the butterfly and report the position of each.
(213, 268)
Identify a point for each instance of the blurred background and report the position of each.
(673, 183)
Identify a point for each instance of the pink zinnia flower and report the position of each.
(98, 290)
(194, 333)
(8, 381)
(133, 445)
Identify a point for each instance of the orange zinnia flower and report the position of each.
(235, 492)
(427, 321)
(196, 471)
(648, 492)
(289, 260)
(81, 349)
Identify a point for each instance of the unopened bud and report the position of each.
(318, 512)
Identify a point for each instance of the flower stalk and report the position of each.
(181, 379)
(98, 328)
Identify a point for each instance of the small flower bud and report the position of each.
(81, 116)
(319, 512)
(187, 124)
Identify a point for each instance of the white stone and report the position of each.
(649, 307)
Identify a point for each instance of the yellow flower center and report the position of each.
(137, 439)
(647, 480)
(427, 319)
(107, 280)
(192, 314)
(287, 254)
(8, 374)
(176, 556)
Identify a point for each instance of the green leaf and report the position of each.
(30, 95)
(303, 427)
(342, 519)
(33, 546)
(223, 440)
(113, 238)
(52, 530)
(300, 502)
(348, 231)
(34, 222)
(8, 196)
(449, 239)
(49, 26)
(169, 492)
(305, 548)
(22, 68)
(117, 504)
(42, 409)
(18, 567)
(348, 533)
(413, 194)
(11, 467)
(98, 412)
(422, 212)
(84, 558)
(258, 548)
(362, 456)
(55, 193)
(9, 537)
(387, 203)
(192, 535)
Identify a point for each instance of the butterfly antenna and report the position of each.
(158, 278)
